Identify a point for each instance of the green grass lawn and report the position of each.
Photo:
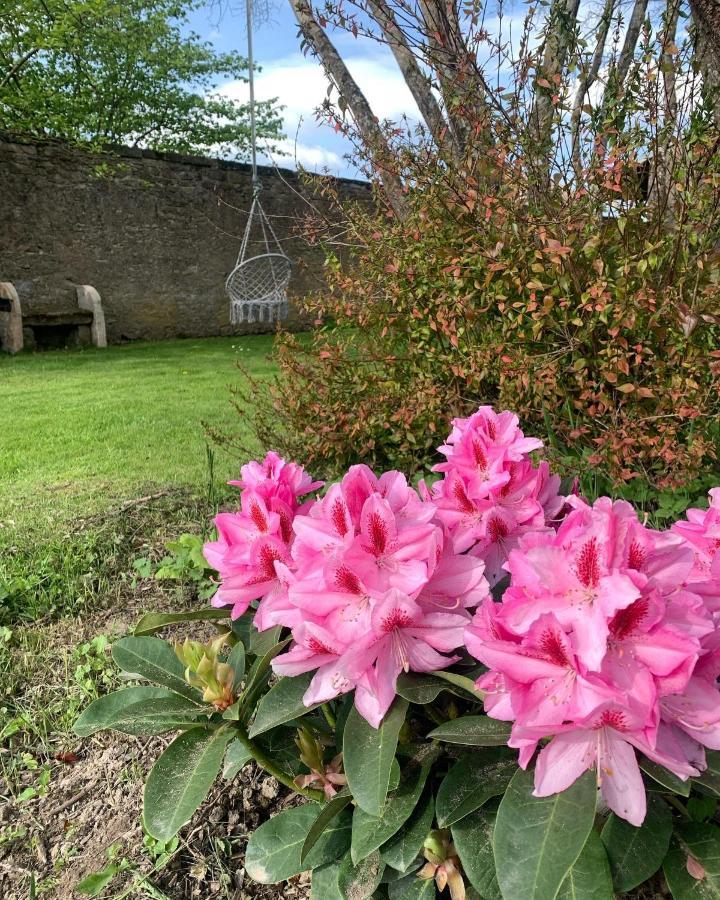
(82, 430)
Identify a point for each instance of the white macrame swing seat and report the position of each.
(257, 286)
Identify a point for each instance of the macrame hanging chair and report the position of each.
(257, 286)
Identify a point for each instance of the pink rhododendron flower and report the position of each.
(601, 644)
(491, 494)
(702, 533)
(252, 544)
(376, 589)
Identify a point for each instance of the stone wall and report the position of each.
(156, 234)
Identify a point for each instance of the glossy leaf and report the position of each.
(537, 839)
(665, 778)
(358, 882)
(235, 758)
(472, 782)
(262, 641)
(236, 661)
(462, 681)
(637, 853)
(180, 780)
(325, 883)
(473, 839)
(368, 755)
(327, 813)
(473, 731)
(153, 621)
(138, 710)
(371, 832)
(412, 888)
(702, 842)
(402, 849)
(155, 660)
(273, 851)
(420, 688)
(282, 703)
(589, 878)
(709, 781)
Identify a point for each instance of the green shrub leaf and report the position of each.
(661, 775)
(325, 883)
(402, 849)
(328, 812)
(589, 878)
(155, 660)
(180, 780)
(637, 853)
(475, 731)
(282, 703)
(138, 710)
(235, 758)
(370, 832)
(358, 882)
(152, 621)
(709, 781)
(236, 661)
(273, 851)
(473, 839)
(472, 782)
(702, 842)
(419, 688)
(412, 888)
(537, 839)
(368, 755)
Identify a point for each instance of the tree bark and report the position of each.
(587, 80)
(365, 120)
(416, 80)
(706, 19)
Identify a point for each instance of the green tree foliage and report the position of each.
(121, 72)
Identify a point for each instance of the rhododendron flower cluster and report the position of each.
(601, 640)
(251, 542)
(600, 644)
(491, 494)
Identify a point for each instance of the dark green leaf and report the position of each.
(412, 888)
(152, 622)
(472, 782)
(537, 839)
(180, 780)
(702, 842)
(370, 832)
(661, 775)
(419, 688)
(273, 851)
(327, 813)
(235, 758)
(325, 883)
(368, 754)
(242, 627)
(236, 661)
(474, 731)
(258, 675)
(473, 839)
(402, 849)
(461, 681)
(358, 882)
(155, 660)
(709, 781)
(282, 703)
(262, 641)
(637, 853)
(138, 710)
(589, 878)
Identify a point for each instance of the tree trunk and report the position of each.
(706, 19)
(351, 95)
(416, 80)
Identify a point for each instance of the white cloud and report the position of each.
(300, 86)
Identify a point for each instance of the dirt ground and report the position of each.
(94, 799)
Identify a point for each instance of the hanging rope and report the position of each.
(257, 286)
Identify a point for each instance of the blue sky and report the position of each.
(300, 85)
